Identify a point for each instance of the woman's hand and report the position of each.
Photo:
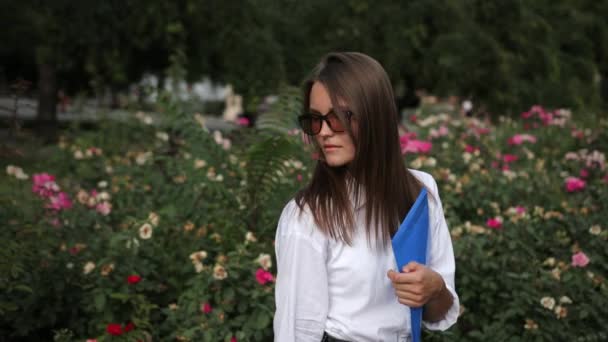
(417, 285)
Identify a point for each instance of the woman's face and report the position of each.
(337, 147)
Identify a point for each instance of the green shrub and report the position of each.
(170, 230)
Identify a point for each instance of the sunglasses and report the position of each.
(312, 123)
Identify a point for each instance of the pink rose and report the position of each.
(413, 146)
(528, 138)
(494, 223)
(531, 112)
(580, 260)
(515, 140)
(508, 158)
(44, 184)
(60, 201)
(441, 132)
(40, 179)
(574, 184)
(546, 117)
(104, 208)
(471, 149)
(263, 276)
(519, 139)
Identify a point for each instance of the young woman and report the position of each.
(336, 277)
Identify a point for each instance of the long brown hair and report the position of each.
(377, 174)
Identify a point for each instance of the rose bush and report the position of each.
(162, 230)
(521, 233)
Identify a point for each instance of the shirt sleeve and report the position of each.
(441, 258)
(301, 290)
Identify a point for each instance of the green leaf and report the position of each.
(120, 296)
(23, 288)
(100, 301)
(263, 321)
(229, 294)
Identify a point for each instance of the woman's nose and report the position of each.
(325, 129)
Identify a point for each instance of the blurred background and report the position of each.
(150, 146)
(75, 57)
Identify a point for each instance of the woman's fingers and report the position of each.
(415, 286)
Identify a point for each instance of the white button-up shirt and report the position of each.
(326, 285)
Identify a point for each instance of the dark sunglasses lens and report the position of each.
(315, 125)
(311, 124)
(306, 122)
(334, 122)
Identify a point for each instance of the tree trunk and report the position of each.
(604, 90)
(46, 119)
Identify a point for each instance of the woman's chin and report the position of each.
(335, 162)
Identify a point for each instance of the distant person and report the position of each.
(336, 278)
(467, 108)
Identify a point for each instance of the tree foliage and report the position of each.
(505, 55)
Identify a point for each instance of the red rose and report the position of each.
(133, 279)
(114, 329)
(128, 327)
(206, 308)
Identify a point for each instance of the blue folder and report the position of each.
(409, 244)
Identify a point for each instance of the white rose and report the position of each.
(145, 231)
(265, 261)
(250, 237)
(88, 267)
(548, 302)
(219, 272)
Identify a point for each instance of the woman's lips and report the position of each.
(329, 148)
